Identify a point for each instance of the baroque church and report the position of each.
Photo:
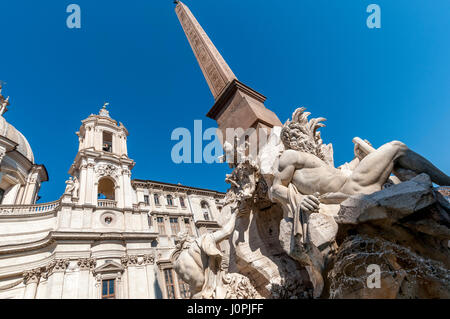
(108, 236)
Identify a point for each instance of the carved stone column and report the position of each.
(56, 278)
(2, 153)
(83, 182)
(149, 261)
(31, 280)
(127, 189)
(32, 180)
(90, 189)
(98, 286)
(86, 266)
(126, 279)
(136, 275)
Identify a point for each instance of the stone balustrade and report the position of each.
(29, 209)
(107, 203)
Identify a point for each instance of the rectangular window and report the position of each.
(169, 200)
(174, 226)
(170, 287)
(161, 228)
(182, 202)
(146, 200)
(187, 226)
(156, 198)
(108, 289)
(2, 193)
(184, 289)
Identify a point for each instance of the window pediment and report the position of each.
(109, 267)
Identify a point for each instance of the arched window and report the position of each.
(107, 142)
(206, 212)
(182, 202)
(169, 200)
(106, 189)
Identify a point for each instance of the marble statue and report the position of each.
(76, 187)
(305, 179)
(69, 186)
(199, 263)
(303, 166)
(3, 102)
(72, 187)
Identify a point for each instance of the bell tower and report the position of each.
(101, 171)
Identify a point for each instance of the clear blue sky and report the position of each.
(386, 84)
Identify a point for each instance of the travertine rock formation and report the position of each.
(404, 229)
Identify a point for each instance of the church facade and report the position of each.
(107, 236)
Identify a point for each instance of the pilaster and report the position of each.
(31, 280)
(55, 284)
(86, 265)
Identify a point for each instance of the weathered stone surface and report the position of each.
(322, 229)
(395, 202)
(404, 273)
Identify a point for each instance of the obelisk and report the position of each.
(236, 105)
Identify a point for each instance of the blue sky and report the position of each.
(378, 84)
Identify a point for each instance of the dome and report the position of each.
(10, 132)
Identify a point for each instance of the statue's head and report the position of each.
(301, 135)
(184, 240)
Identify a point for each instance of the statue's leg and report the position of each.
(373, 170)
(415, 162)
(376, 167)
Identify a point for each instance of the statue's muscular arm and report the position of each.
(288, 163)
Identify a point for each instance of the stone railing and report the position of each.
(106, 203)
(28, 209)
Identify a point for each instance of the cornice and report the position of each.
(54, 236)
(71, 235)
(234, 86)
(23, 247)
(207, 224)
(174, 214)
(149, 184)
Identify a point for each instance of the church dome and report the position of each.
(10, 132)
